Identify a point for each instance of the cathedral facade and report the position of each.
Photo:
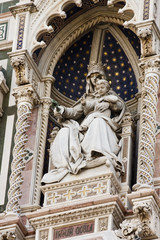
(79, 119)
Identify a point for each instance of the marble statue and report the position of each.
(88, 137)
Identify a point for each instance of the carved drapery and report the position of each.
(46, 103)
(150, 84)
(25, 97)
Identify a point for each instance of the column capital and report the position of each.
(148, 33)
(149, 65)
(23, 7)
(25, 68)
(146, 205)
(26, 93)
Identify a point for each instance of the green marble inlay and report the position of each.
(4, 6)
(3, 31)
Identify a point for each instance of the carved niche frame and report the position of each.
(62, 41)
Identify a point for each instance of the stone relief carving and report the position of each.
(80, 144)
(146, 36)
(18, 64)
(25, 69)
(7, 236)
(145, 213)
(129, 230)
(145, 223)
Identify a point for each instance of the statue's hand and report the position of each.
(115, 119)
(101, 107)
(58, 112)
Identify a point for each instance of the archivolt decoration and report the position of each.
(56, 9)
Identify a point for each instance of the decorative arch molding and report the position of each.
(40, 20)
(47, 10)
(73, 31)
(130, 5)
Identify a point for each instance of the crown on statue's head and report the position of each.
(94, 67)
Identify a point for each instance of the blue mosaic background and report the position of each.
(71, 70)
(118, 69)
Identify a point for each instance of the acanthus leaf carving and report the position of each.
(18, 63)
(145, 213)
(7, 236)
(130, 229)
(148, 35)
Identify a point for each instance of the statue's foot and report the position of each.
(55, 175)
(95, 162)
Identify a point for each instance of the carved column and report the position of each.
(25, 97)
(46, 103)
(150, 82)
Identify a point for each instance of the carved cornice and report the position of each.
(28, 7)
(71, 216)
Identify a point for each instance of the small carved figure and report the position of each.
(88, 134)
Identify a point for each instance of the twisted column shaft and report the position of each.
(148, 124)
(24, 98)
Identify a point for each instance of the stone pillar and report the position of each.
(150, 67)
(46, 103)
(25, 97)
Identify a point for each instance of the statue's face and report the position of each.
(102, 89)
(93, 78)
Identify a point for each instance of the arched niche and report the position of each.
(100, 25)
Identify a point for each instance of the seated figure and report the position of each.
(88, 135)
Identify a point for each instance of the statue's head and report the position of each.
(102, 86)
(95, 71)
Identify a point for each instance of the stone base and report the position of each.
(83, 220)
(83, 206)
(87, 184)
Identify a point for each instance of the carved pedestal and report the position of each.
(80, 207)
(86, 185)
